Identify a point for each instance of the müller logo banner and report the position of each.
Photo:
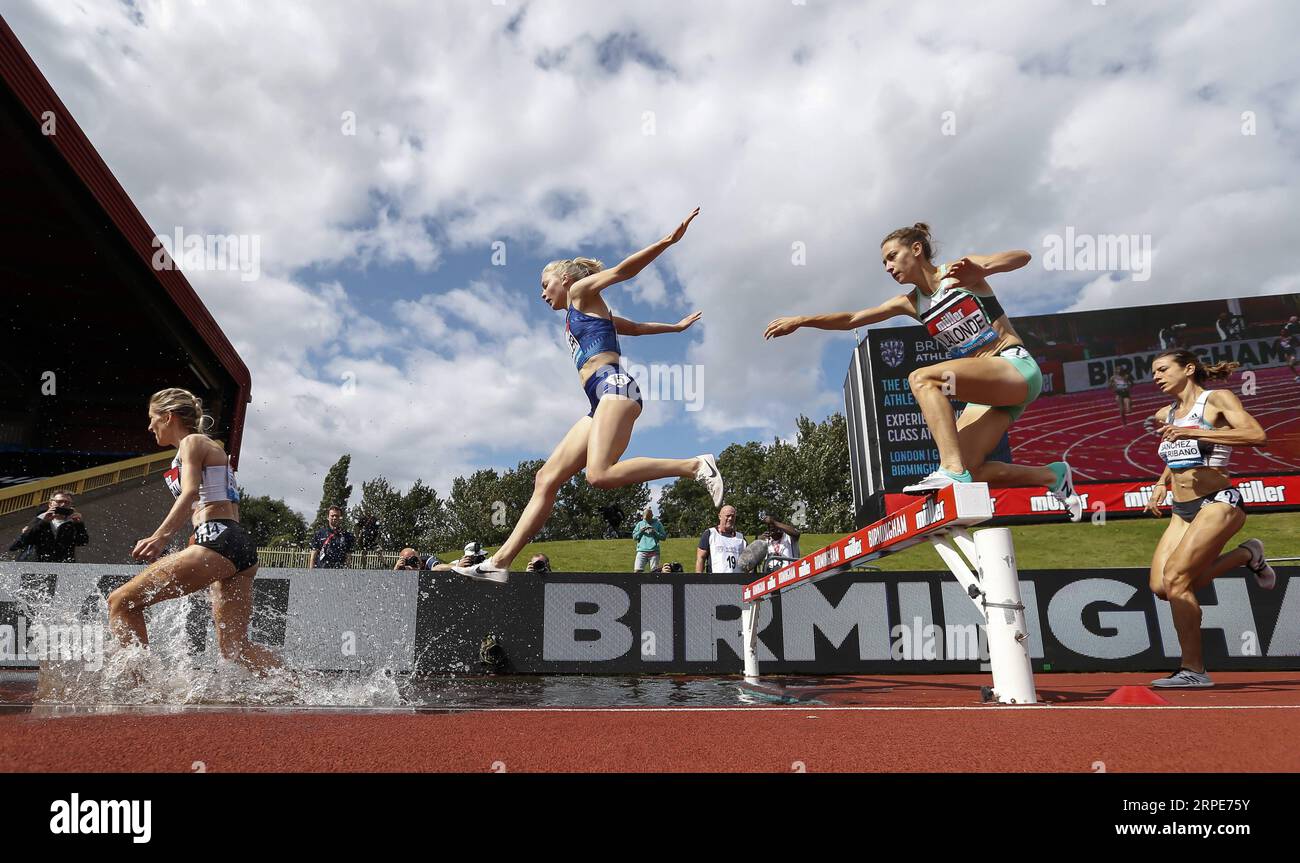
(1271, 493)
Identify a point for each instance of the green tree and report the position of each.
(686, 509)
(470, 509)
(334, 492)
(428, 518)
(583, 511)
(513, 490)
(382, 503)
(821, 480)
(270, 521)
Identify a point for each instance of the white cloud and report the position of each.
(818, 123)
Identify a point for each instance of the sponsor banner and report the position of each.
(855, 623)
(1095, 373)
(1053, 377)
(879, 623)
(1263, 494)
(951, 507)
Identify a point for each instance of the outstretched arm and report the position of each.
(624, 327)
(629, 266)
(899, 305)
(973, 269)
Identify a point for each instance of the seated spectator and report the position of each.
(53, 536)
(408, 559)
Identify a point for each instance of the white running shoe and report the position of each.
(709, 474)
(1067, 495)
(1185, 678)
(485, 571)
(1265, 576)
(933, 482)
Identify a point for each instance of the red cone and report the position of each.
(1135, 695)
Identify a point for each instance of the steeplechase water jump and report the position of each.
(989, 370)
(326, 444)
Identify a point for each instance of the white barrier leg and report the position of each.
(1008, 636)
(749, 638)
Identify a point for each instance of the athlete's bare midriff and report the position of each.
(590, 367)
(1190, 483)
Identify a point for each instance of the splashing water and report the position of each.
(171, 672)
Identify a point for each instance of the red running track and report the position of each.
(1085, 427)
(1248, 723)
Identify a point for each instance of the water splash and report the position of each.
(171, 672)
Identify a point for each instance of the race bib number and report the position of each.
(960, 327)
(1182, 453)
(209, 531)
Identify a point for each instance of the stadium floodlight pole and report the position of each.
(984, 564)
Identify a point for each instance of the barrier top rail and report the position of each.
(958, 505)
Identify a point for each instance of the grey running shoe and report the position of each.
(1185, 678)
(1265, 576)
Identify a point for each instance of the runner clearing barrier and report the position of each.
(989, 367)
(941, 519)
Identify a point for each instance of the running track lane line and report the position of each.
(810, 708)
(404, 711)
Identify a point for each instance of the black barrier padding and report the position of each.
(1086, 620)
(454, 614)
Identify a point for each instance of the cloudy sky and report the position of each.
(409, 167)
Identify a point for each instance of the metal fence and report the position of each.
(297, 558)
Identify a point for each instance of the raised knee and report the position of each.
(920, 378)
(120, 601)
(547, 482)
(1176, 583)
(599, 478)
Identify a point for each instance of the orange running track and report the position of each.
(1249, 722)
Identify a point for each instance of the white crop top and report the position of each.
(1189, 452)
(217, 484)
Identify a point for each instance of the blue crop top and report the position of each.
(588, 335)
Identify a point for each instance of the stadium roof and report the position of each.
(85, 299)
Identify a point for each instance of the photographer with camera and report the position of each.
(474, 555)
(53, 536)
(669, 568)
(782, 540)
(539, 563)
(408, 560)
